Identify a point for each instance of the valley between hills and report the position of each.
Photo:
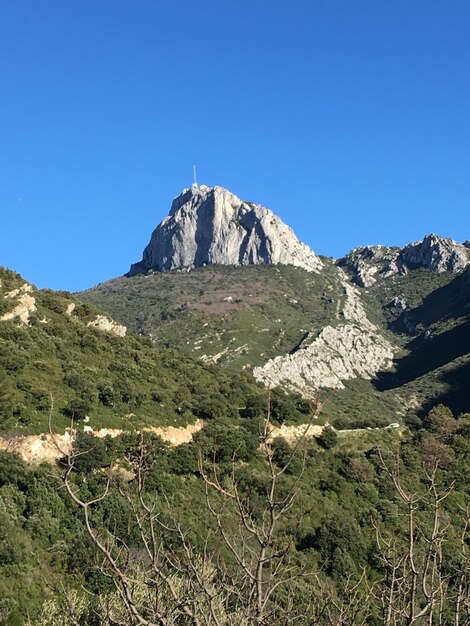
(239, 431)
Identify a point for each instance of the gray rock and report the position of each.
(397, 303)
(368, 264)
(435, 253)
(101, 322)
(353, 348)
(210, 225)
(337, 354)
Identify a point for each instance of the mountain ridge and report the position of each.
(366, 264)
(212, 226)
(382, 356)
(352, 319)
(363, 322)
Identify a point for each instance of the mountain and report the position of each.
(333, 482)
(380, 353)
(210, 225)
(352, 326)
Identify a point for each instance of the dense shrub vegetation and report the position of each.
(120, 382)
(347, 499)
(366, 528)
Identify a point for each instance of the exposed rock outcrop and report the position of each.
(210, 225)
(397, 303)
(292, 434)
(108, 326)
(39, 448)
(351, 349)
(435, 253)
(52, 446)
(367, 264)
(338, 354)
(438, 254)
(25, 304)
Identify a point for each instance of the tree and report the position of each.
(419, 587)
(173, 583)
(7, 403)
(245, 570)
(328, 438)
(77, 408)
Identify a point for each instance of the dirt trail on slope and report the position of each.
(51, 447)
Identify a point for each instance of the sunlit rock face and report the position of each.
(368, 264)
(352, 347)
(436, 253)
(210, 225)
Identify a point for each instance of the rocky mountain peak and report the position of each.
(438, 254)
(211, 225)
(367, 263)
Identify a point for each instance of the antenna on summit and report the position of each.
(195, 179)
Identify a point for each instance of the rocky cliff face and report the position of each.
(210, 225)
(352, 347)
(367, 264)
(438, 254)
(435, 253)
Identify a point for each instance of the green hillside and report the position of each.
(119, 382)
(205, 503)
(331, 499)
(240, 317)
(237, 316)
(435, 332)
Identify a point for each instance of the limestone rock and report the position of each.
(39, 448)
(210, 225)
(435, 253)
(353, 348)
(25, 304)
(292, 434)
(438, 254)
(367, 264)
(108, 326)
(338, 354)
(397, 303)
(51, 447)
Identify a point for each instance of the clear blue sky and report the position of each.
(349, 118)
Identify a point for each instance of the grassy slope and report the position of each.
(268, 311)
(272, 308)
(434, 333)
(43, 538)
